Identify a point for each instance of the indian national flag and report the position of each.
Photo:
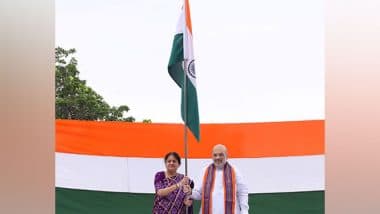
(109, 167)
(182, 61)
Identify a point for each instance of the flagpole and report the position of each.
(185, 119)
(185, 67)
(184, 93)
(185, 114)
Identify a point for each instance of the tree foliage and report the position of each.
(147, 121)
(74, 99)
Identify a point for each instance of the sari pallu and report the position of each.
(173, 202)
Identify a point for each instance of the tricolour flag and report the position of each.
(182, 61)
(109, 167)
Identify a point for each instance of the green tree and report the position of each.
(147, 121)
(116, 114)
(76, 100)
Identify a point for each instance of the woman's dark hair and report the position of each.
(175, 155)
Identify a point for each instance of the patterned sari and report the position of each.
(172, 203)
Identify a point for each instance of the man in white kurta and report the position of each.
(218, 191)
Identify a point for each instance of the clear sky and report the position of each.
(255, 60)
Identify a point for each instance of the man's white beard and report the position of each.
(220, 166)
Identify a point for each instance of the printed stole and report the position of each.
(229, 181)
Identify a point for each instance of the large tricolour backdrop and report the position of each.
(109, 167)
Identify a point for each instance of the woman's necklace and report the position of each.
(172, 178)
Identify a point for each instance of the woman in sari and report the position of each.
(172, 188)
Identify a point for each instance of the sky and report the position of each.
(255, 60)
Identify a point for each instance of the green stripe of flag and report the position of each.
(97, 202)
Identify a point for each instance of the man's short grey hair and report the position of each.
(221, 146)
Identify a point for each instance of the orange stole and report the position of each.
(229, 181)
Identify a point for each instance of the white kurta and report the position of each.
(241, 205)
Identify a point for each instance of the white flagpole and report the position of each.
(185, 69)
(185, 119)
(184, 93)
(185, 116)
(184, 87)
